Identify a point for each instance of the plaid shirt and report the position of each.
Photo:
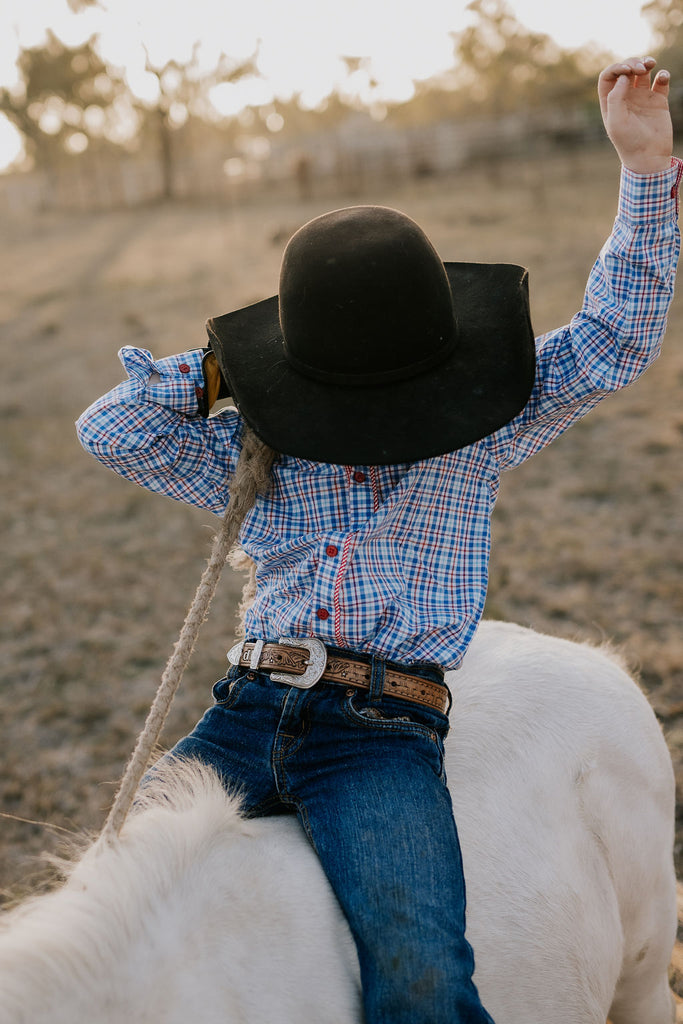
(393, 560)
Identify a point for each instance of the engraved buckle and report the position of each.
(317, 660)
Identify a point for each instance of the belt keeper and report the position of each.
(377, 670)
(256, 655)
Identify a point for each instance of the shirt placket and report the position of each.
(362, 501)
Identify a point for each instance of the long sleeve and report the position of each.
(148, 430)
(618, 332)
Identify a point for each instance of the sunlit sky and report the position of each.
(300, 42)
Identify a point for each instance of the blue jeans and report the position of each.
(365, 775)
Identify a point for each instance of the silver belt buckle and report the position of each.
(317, 660)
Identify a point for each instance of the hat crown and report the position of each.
(364, 298)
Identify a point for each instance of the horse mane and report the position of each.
(178, 904)
(115, 892)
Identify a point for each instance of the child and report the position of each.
(395, 390)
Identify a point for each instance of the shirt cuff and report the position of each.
(175, 382)
(646, 198)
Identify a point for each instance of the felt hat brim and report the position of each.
(478, 388)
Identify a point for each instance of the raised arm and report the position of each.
(148, 430)
(618, 331)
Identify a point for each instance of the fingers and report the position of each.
(661, 83)
(637, 72)
(630, 66)
(641, 72)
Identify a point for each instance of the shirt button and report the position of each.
(322, 613)
(359, 476)
(331, 550)
(184, 368)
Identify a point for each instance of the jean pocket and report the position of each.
(226, 691)
(411, 726)
(393, 713)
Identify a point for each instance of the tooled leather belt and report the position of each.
(303, 663)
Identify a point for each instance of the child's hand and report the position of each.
(636, 114)
(214, 385)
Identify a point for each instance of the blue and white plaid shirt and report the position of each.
(393, 560)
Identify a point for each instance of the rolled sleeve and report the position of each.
(148, 430)
(174, 382)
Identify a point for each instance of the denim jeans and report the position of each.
(365, 775)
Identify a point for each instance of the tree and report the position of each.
(70, 99)
(66, 98)
(666, 18)
(502, 66)
(183, 92)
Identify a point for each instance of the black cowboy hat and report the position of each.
(375, 351)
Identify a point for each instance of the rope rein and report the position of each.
(251, 478)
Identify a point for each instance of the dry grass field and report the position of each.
(96, 574)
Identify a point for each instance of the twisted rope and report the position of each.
(251, 477)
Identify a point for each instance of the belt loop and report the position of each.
(377, 669)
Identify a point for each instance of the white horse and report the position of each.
(564, 796)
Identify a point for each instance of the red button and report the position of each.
(359, 477)
(184, 368)
(322, 613)
(331, 550)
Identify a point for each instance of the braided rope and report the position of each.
(251, 477)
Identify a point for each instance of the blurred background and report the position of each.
(117, 104)
(155, 159)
